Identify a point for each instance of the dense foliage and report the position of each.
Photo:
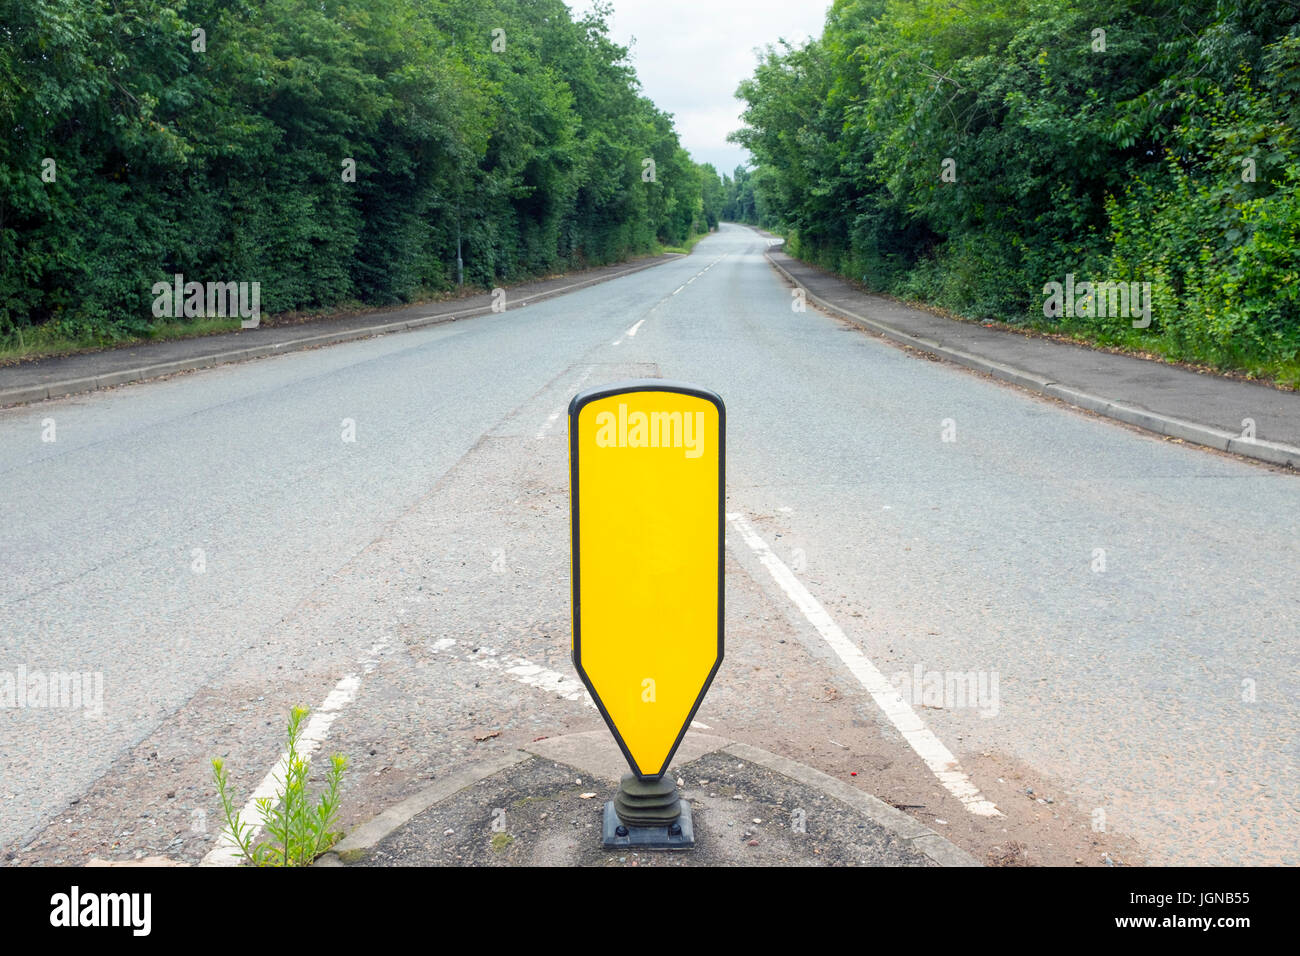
(970, 154)
(136, 147)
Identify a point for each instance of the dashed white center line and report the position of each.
(928, 747)
(631, 333)
(697, 275)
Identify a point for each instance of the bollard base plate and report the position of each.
(647, 838)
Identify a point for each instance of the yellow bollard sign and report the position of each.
(646, 463)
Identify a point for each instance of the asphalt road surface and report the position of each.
(212, 549)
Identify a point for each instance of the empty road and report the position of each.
(392, 514)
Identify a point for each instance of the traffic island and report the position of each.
(545, 807)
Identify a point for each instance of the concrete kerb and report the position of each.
(907, 829)
(590, 753)
(1275, 453)
(36, 393)
(365, 837)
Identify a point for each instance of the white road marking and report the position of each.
(928, 747)
(551, 420)
(226, 852)
(696, 276)
(631, 333)
(525, 671)
(555, 415)
(537, 676)
(534, 675)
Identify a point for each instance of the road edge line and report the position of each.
(916, 733)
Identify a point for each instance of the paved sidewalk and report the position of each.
(542, 807)
(1204, 409)
(69, 374)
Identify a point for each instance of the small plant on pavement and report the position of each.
(298, 831)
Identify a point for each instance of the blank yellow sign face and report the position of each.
(647, 464)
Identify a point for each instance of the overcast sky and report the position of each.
(692, 54)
